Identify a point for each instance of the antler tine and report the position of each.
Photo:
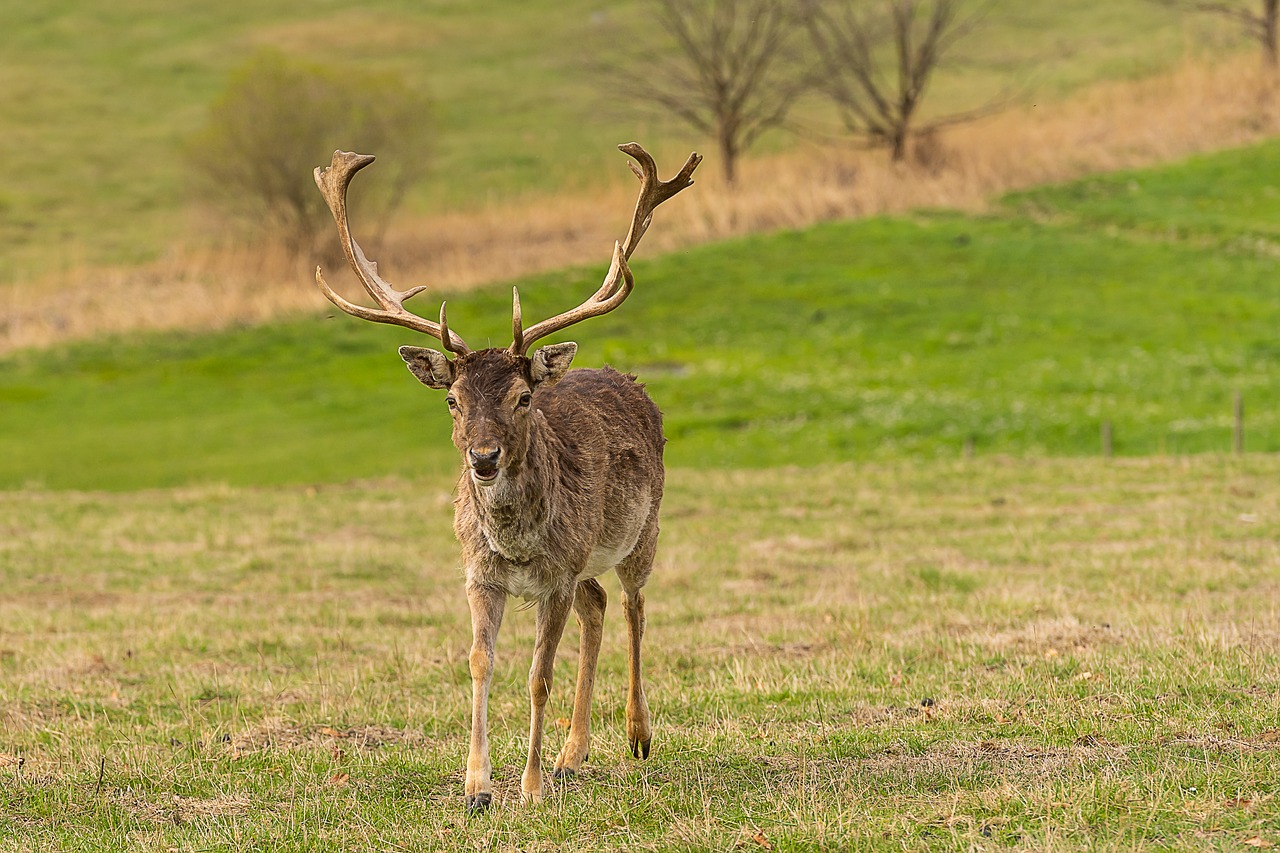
(618, 282)
(653, 191)
(617, 286)
(446, 336)
(333, 181)
(517, 323)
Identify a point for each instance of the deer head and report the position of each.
(491, 391)
(490, 399)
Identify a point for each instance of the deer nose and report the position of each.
(485, 457)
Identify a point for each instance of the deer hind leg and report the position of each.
(552, 614)
(639, 731)
(589, 601)
(486, 618)
(633, 572)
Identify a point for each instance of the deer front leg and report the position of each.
(552, 614)
(486, 617)
(639, 732)
(588, 605)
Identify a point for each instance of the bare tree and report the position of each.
(726, 69)
(1260, 20)
(876, 60)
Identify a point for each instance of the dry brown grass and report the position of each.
(1200, 106)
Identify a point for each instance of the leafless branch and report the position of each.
(726, 68)
(1260, 20)
(878, 91)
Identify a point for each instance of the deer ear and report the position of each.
(432, 368)
(551, 362)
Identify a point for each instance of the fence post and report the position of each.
(1239, 432)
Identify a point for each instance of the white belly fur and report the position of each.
(611, 551)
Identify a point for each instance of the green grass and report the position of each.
(1225, 200)
(856, 638)
(97, 98)
(869, 340)
(1051, 654)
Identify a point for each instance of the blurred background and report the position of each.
(924, 228)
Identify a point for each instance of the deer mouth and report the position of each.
(485, 476)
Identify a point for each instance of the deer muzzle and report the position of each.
(484, 464)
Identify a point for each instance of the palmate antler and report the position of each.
(333, 182)
(618, 282)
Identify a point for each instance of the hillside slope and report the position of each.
(872, 339)
(97, 98)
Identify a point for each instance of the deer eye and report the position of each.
(524, 401)
(452, 402)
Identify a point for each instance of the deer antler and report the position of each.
(333, 182)
(618, 282)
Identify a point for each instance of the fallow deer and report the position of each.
(561, 480)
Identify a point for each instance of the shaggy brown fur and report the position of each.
(562, 480)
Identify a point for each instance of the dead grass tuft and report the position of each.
(1200, 106)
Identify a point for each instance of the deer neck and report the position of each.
(514, 514)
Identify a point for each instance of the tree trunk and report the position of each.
(1270, 19)
(728, 157)
(899, 144)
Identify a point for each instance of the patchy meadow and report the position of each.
(1044, 654)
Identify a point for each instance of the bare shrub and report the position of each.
(279, 118)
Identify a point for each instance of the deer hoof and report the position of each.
(477, 803)
(566, 767)
(640, 748)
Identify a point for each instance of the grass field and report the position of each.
(233, 619)
(852, 341)
(987, 654)
(97, 99)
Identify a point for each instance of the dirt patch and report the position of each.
(1011, 759)
(280, 736)
(1053, 637)
(180, 809)
(190, 808)
(1266, 741)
